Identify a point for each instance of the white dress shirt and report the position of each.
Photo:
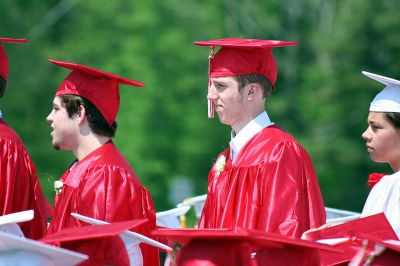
(245, 134)
(385, 197)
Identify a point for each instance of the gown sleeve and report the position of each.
(292, 201)
(20, 189)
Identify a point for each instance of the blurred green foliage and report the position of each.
(321, 97)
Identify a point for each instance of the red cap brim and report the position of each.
(96, 72)
(11, 40)
(258, 239)
(245, 43)
(92, 231)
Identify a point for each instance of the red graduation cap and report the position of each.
(374, 227)
(4, 65)
(243, 56)
(219, 247)
(100, 242)
(99, 87)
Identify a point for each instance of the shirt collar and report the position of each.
(245, 134)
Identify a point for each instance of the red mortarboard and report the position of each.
(99, 87)
(374, 227)
(241, 57)
(100, 242)
(212, 247)
(4, 65)
(244, 56)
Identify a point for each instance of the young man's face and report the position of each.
(229, 102)
(382, 139)
(63, 127)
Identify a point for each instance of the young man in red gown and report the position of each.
(100, 183)
(265, 179)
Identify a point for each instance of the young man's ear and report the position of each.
(80, 113)
(253, 90)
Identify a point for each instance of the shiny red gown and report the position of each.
(103, 186)
(271, 187)
(19, 186)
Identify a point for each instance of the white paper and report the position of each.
(197, 202)
(333, 241)
(12, 229)
(170, 218)
(392, 242)
(342, 220)
(17, 217)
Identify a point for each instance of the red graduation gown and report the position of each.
(19, 186)
(271, 187)
(104, 186)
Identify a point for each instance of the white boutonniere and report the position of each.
(58, 185)
(220, 165)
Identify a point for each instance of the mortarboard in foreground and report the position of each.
(101, 242)
(351, 234)
(131, 240)
(99, 87)
(220, 247)
(4, 64)
(22, 251)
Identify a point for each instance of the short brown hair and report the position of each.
(96, 120)
(265, 84)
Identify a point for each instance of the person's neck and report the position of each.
(88, 144)
(241, 124)
(395, 166)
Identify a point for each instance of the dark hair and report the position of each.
(265, 84)
(3, 85)
(393, 118)
(96, 120)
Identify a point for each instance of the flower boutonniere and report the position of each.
(58, 185)
(374, 178)
(220, 165)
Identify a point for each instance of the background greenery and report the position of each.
(321, 97)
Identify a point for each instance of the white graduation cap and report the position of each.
(388, 100)
(170, 218)
(8, 222)
(16, 250)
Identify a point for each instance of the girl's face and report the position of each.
(382, 140)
